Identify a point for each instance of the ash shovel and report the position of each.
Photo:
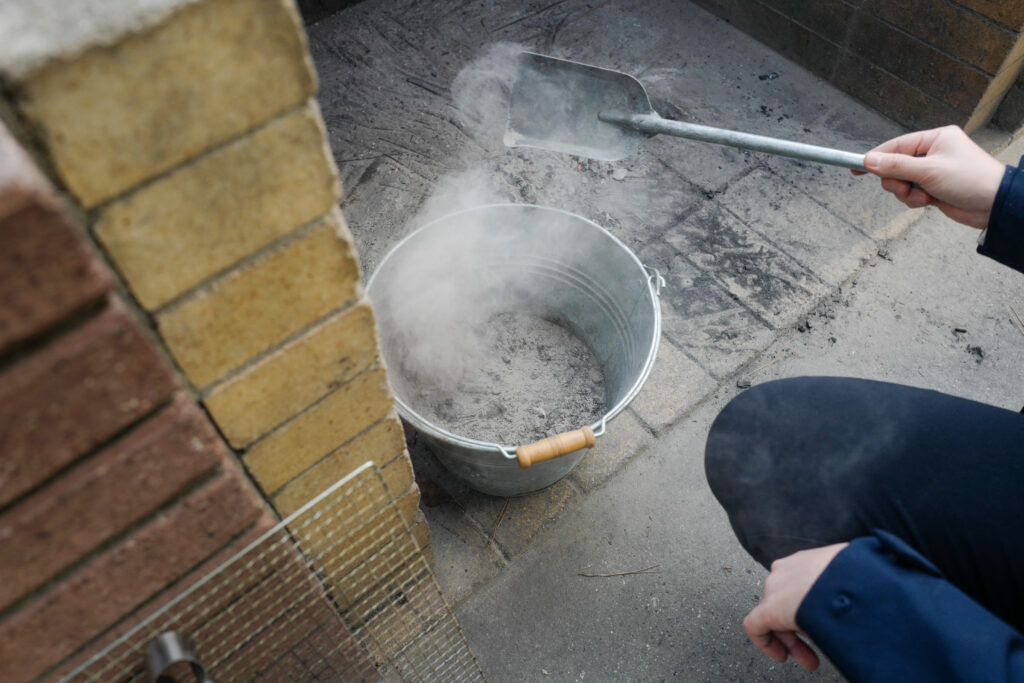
(570, 107)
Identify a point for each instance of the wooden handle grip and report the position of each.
(554, 446)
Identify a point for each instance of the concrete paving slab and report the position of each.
(797, 224)
(928, 311)
(507, 525)
(387, 67)
(770, 283)
(708, 167)
(626, 437)
(464, 555)
(519, 520)
(851, 198)
(897, 320)
(723, 341)
(542, 620)
(701, 317)
(773, 268)
(675, 385)
(640, 200)
(1012, 152)
(463, 558)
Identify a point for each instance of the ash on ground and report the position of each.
(539, 379)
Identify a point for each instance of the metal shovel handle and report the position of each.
(554, 446)
(654, 125)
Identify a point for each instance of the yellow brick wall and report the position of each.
(198, 151)
(281, 176)
(299, 373)
(119, 115)
(262, 303)
(337, 419)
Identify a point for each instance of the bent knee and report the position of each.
(761, 435)
(741, 427)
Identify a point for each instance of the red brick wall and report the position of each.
(113, 482)
(922, 62)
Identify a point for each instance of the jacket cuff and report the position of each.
(858, 598)
(882, 612)
(1003, 239)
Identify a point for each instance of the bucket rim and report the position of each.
(651, 276)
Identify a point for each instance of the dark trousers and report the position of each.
(805, 462)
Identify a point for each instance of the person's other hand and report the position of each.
(951, 173)
(772, 624)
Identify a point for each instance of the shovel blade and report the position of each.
(555, 104)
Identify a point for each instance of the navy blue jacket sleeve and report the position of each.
(882, 612)
(1003, 240)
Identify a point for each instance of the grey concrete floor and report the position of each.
(774, 268)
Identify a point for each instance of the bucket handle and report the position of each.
(554, 446)
(655, 278)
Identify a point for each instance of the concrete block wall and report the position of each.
(204, 345)
(315, 10)
(1010, 114)
(923, 63)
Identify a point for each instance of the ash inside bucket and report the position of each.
(534, 379)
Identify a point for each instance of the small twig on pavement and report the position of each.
(501, 516)
(1016, 318)
(645, 570)
(744, 382)
(763, 367)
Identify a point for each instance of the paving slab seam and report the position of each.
(768, 238)
(485, 535)
(710, 195)
(740, 302)
(693, 186)
(507, 553)
(825, 208)
(665, 339)
(713, 274)
(774, 327)
(650, 428)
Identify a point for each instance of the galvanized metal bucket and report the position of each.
(554, 264)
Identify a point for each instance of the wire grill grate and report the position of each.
(339, 591)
